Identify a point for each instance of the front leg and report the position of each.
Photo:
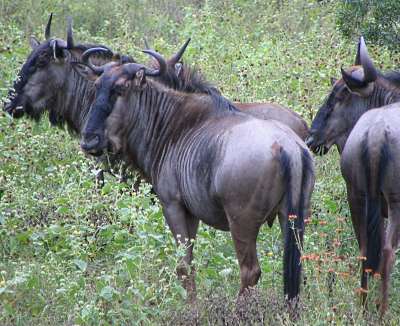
(184, 228)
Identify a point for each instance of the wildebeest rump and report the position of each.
(357, 118)
(206, 161)
(184, 78)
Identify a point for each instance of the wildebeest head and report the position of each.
(112, 80)
(357, 91)
(43, 73)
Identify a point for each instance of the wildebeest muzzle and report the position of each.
(93, 143)
(317, 146)
(14, 108)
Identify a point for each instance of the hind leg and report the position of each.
(358, 212)
(184, 228)
(244, 237)
(392, 240)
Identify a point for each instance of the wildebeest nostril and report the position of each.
(8, 107)
(90, 142)
(15, 112)
(309, 140)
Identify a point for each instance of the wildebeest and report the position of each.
(47, 82)
(206, 161)
(369, 143)
(184, 78)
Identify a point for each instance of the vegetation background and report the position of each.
(73, 254)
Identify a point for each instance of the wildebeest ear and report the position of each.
(356, 84)
(76, 52)
(33, 42)
(178, 69)
(333, 81)
(84, 71)
(140, 78)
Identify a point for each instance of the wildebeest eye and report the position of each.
(42, 60)
(119, 89)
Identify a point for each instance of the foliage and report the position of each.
(377, 20)
(73, 254)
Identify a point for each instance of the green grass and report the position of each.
(73, 254)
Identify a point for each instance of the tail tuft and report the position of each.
(295, 223)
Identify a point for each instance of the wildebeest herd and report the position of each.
(233, 166)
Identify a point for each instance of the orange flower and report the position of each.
(361, 258)
(307, 220)
(305, 257)
(368, 270)
(337, 259)
(322, 222)
(337, 243)
(344, 274)
(292, 217)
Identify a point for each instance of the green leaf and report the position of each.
(107, 292)
(225, 272)
(106, 189)
(81, 264)
(63, 210)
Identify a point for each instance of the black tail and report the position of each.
(295, 223)
(373, 203)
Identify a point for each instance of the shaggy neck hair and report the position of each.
(149, 122)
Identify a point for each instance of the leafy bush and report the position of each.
(377, 20)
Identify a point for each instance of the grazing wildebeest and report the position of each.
(370, 157)
(182, 77)
(206, 161)
(47, 82)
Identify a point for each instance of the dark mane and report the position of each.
(393, 76)
(191, 80)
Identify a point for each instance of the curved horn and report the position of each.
(48, 27)
(161, 62)
(70, 39)
(351, 81)
(178, 55)
(98, 70)
(370, 72)
(357, 62)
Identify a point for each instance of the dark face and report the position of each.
(40, 76)
(112, 80)
(338, 115)
(112, 83)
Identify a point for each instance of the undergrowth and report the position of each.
(71, 253)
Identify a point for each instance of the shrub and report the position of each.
(377, 20)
